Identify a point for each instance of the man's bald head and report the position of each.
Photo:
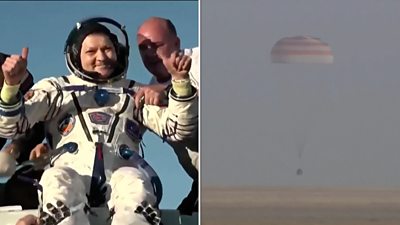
(157, 38)
(161, 25)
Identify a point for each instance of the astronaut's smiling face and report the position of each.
(98, 54)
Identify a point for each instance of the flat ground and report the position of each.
(300, 206)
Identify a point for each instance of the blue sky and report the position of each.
(44, 26)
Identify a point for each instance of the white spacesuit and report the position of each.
(94, 131)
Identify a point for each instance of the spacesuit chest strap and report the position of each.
(79, 110)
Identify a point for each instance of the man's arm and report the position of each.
(153, 94)
(26, 84)
(178, 121)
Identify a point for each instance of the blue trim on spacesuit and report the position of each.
(10, 113)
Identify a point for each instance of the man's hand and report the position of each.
(28, 220)
(151, 95)
(14, 68)
(40, 151)
(40, 154)
(12, 149)
(178, 65)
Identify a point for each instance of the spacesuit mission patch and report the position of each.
(100, 118)
(132, 129)
(66, 125)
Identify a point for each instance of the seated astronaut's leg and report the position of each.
(132, 198)
(63, 197)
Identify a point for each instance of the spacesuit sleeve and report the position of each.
(176, 122)
(194, 72)
(41, 103)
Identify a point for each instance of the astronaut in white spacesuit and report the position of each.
(94, 128)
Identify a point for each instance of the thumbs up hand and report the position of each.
(14, 67)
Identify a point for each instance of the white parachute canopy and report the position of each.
(301, 49)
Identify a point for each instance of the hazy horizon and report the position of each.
(300, 206)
